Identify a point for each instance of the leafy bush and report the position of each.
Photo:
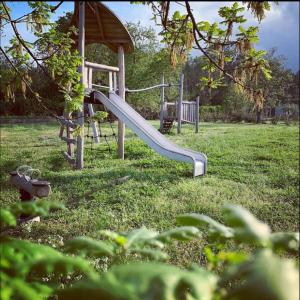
(34, 271)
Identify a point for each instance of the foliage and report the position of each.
(33, 271)
(280, 91)
(52, 52)
(182, 31)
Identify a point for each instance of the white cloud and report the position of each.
(280, 28)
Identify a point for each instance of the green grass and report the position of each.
(252, 165)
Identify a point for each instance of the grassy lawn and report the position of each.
(252, 165)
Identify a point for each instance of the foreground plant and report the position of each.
(33, 271)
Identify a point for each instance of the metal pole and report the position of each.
(162, 100)
(179, 105)
(197, 114)
(81, 44)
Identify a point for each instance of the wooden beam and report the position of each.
(101, 67)
(99, 22)
(66, 122)
(70, 159)
(81, 45)
(68, 140)
(121, 84)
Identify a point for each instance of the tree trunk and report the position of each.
(258, 115)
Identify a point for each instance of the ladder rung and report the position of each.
(68, 140)
(70, 159)
(69, 123)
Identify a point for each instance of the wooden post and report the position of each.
(179, 104)
(197, 114)
(70, 146)
(121, 125)
(81, 44)
(90, 106)
(110, 81)
(115, 86)
(162, 100)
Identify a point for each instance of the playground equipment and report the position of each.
(29, 188)
(97, 24)
(181, 111)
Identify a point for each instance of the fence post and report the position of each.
(197, 114)
(179, 104)
(162, 100)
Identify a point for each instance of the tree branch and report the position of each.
(36, 96)
(196, 30)
(20, 39)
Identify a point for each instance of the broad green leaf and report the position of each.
(23, 290)
(265, 276)
(151, 253)
(216, 229)
(19, 255)
(184, 233)
(246, 227)
(288, 241)
(63, 265)
(7, 218)
(118, 238)
(89, 246)
(139, 236)
(150, 281)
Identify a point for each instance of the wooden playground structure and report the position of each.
(98, 24)
(180, 111)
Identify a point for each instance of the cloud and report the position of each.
(279, 29)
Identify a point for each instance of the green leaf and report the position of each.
(146, 281)
(184, 233)
(288, 241)
(89, 246)
(265, 276)
(216, 230)
(176, 15)
(7, 218)
(138, 236)
(116, 237)
(62, 265)
(246, 227)
(150, 253)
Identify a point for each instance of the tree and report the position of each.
(182, 32)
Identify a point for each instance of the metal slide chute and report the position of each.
(150, 135)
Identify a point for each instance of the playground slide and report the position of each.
(150, 135)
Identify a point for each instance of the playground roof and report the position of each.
(103, 26)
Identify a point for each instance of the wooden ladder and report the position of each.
(68, 126)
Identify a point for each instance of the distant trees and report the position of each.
(282, 89)
(144, 67)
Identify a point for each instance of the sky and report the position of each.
(280, 28)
